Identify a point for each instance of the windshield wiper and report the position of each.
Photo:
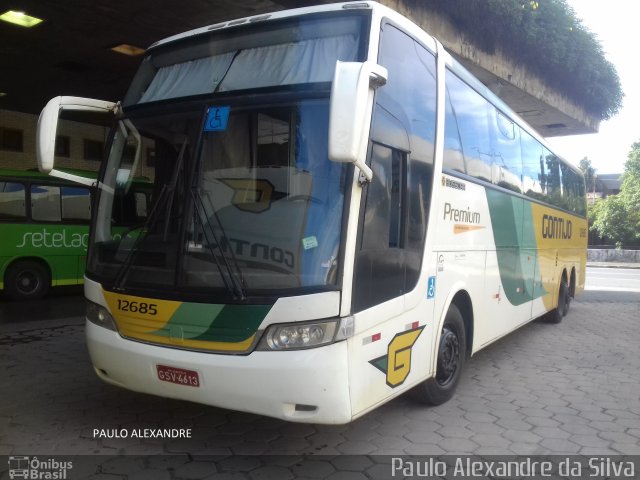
(151, 220)
(231, 273)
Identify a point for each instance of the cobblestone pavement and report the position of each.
(572, 388)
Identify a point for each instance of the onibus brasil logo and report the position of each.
(34, 468)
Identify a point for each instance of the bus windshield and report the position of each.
(297, 51)
(251, 207)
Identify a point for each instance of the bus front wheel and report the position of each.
(451, 355)
(27, 280)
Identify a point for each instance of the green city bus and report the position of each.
(44, 222)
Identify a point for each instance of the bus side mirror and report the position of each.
(350, 111)
(48, 127)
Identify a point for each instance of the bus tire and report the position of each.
(451, 356)
(567, 301)
(27, 280)
(555, 315)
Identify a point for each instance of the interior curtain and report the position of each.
(194, 77)
(307, 61)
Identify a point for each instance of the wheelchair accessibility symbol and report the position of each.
(217, 118)
(431, 287)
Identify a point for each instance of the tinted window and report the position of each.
(532, 166)
(573, 189)
(410, 92)
(396, 202)
(471, 111)
(453, 157)
(382, 215)
(552, 185)
(506, 169)
(410, 97)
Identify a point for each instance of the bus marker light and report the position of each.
(373, 338)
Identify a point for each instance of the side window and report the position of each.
(506, 169)
(410, 97)
(471, 111)
(45, 203)
(12, 201)
(410, 92)
(453, 157)
(553, 179)
(382, 227)
(76, 203)
(573, 190)
(533, 172)
(396, 204)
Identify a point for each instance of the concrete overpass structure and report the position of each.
(70, 53)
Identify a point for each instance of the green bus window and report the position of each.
(12, 204)
(45, 203)
(76, 203)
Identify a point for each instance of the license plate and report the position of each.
(178, 376)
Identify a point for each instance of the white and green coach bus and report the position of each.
(341, 213)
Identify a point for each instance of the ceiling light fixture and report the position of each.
(20, 18)
(127, 49)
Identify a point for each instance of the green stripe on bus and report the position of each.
(512, 224)
(215, 322)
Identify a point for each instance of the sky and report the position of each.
(615, 23)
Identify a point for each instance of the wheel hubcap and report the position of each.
(448, 357)
(27, 282)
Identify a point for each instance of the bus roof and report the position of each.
(267, 16)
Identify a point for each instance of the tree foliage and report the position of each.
(617, 217)
(589, 174)
(547, 38)
(630, 188)
(611, 220)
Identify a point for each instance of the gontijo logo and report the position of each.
(556, 227)
(396, 364)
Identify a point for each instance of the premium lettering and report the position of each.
(456, 215)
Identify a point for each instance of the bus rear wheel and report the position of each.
(451, 355)
(555, 315)
(27, 280)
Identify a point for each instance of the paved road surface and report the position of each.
(545, 389)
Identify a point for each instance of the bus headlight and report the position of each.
(295, 336)
(100, 316)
